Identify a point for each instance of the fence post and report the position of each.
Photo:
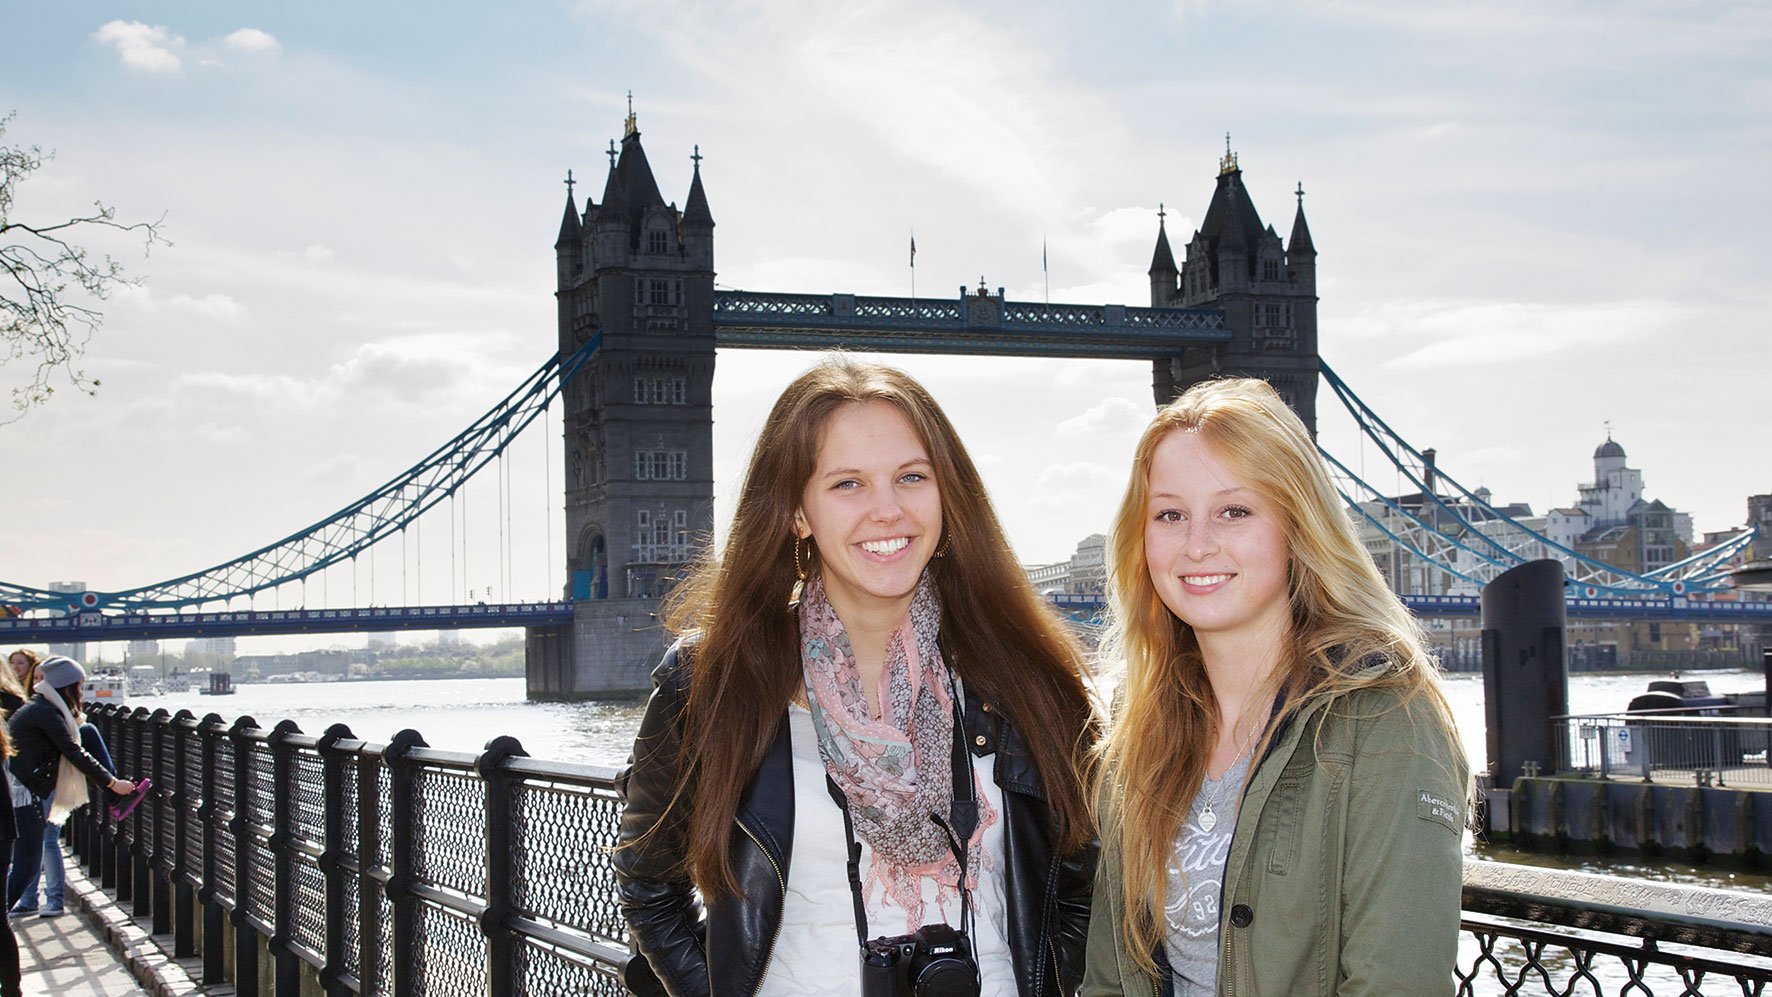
(332, 866)
(141, 846)
(288, 966)
(154, 806)
(211, 731)
(245, 944)
(184, 734)
(370, 893)
(500, 842)
(403, 822)
(104, 833)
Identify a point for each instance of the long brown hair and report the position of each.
(10, 682)
(998, 636)
(1166, 715)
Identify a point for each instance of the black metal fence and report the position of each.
(401, 869)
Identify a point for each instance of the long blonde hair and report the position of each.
(1166, 716)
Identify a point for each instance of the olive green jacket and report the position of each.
(1345, 868)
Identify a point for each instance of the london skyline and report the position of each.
(1531, 220)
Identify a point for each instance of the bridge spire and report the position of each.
(1163, 272)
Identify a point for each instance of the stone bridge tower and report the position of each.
(1268, 292)
(638, 426)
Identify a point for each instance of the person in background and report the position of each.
(865, 653)
(52, 766)
(15, 682)
(10, 983)
(1283, 793)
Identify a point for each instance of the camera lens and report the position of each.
(946, 978)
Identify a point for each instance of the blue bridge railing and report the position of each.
(397, 868)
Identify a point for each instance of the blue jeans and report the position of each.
(53, 873)
(27, 851)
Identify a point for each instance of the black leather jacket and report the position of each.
(40, 736)
(682, 951)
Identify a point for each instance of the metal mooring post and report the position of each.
(500, 843)
(1525, 677)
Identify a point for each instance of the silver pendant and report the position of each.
(1208, 819)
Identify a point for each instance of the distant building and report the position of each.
(384, 640)
(1637, 535)
(142, 652)
(75, 651)
(210, 652)
(1610, 522)
(1089, 566)
(449, 638)
(1084, 574)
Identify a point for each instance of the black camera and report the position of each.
(935, 961)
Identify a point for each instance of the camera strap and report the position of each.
(959, 825)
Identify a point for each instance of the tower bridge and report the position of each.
(639, 326)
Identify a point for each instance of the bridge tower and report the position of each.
(638, 425)
(1268, 291)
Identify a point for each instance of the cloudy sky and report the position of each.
(1532, 217)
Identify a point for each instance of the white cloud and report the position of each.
(1436, 334)
(1076, 487)
(318, 253)
(1110, 415)
(252, 40)
(147, 47)
(209, 305)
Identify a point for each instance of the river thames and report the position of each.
(463, 714)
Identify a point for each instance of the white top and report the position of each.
(816, 951)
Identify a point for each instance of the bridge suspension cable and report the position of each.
(1493, 539)
(353, 529)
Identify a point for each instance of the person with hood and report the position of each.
(51, 764)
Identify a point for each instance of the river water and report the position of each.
(463, 714)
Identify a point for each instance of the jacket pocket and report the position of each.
(1280, 821)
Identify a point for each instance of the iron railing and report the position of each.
(1667, 746)
(400, 869)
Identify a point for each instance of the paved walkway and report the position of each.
(98, 950)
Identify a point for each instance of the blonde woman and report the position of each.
(1283, 793)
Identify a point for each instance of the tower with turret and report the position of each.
(1267, 289)
(636, 274)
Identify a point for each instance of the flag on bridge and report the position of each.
(913, 250)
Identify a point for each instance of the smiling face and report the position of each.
(1217, 550)
(873, 509)
(20, 665)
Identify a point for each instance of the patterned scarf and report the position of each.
(897, 770)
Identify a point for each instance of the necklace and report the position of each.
(1208, 818)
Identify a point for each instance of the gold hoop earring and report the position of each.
(947, 541)
(800, 571)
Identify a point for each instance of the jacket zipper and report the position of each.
(782, 884)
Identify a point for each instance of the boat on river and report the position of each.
(1694, 698)
(108, 685)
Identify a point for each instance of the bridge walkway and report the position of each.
(98, 949)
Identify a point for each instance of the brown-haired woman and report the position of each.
(870, 724)
(1283, 794)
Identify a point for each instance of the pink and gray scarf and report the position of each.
(896, 770)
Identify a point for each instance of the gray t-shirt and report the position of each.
(1196, 879)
